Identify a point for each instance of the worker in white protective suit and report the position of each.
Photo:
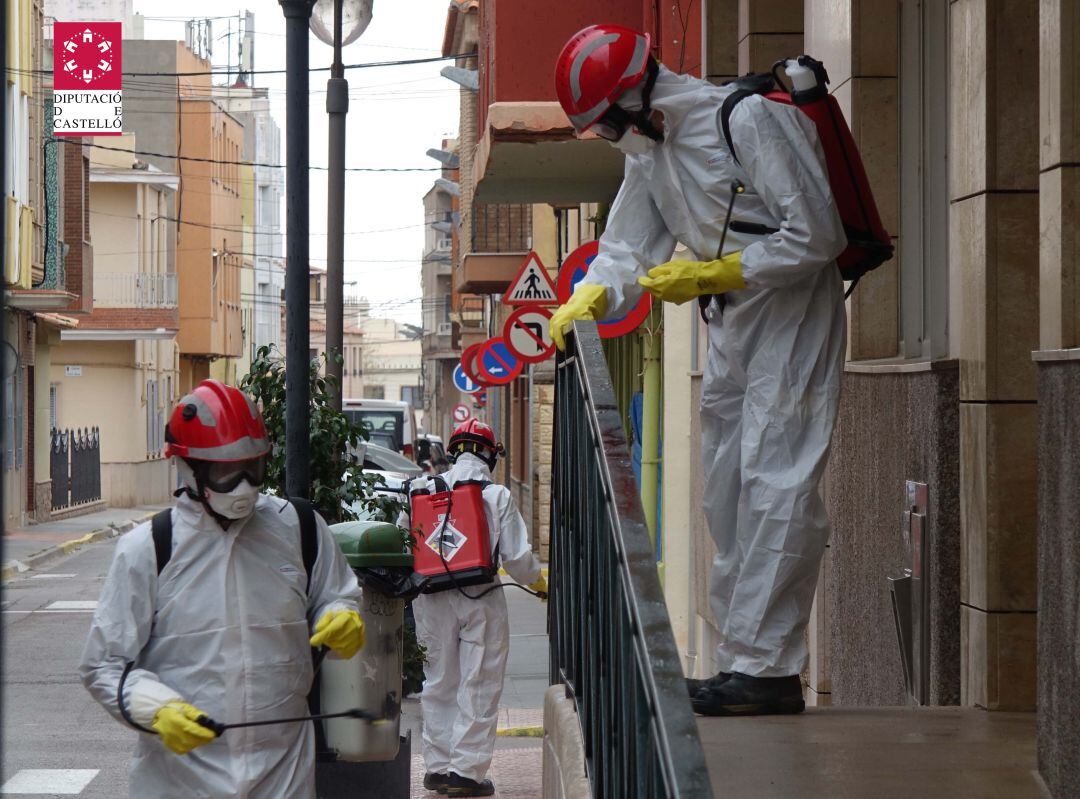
(467, 639)
(776, 333)
(225, 629)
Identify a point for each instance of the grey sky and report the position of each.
(395, 115)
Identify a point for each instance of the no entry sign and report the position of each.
(526, 331)
(496, 365)
(574, 268)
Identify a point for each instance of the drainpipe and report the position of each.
(650, 431)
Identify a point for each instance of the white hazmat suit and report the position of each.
(468, 641)
(225, 627)
(776, 350)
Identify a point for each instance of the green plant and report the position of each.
(413, 660)
(337, 480)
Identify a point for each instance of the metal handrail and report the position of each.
(611, 639)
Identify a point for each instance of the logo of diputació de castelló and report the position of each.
(87, 79)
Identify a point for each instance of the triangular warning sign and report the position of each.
(532, 286)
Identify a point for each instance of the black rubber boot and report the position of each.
(693, 686)
(433, 781)
(456, 785)
(743, 695)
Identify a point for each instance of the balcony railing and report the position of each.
(134, 290)
(611, 639)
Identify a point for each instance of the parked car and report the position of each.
(431, 453)
(389, 423)
(394, 469)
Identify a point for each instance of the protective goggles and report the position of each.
(224, 476)
(613, 124)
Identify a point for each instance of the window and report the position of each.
(411, 395)
(924, 195)
(374, 392)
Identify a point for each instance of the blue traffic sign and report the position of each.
(497, 364)
(464, 383)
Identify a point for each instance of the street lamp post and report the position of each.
(347, 20)
(297, 299)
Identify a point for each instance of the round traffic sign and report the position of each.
(461, 414)
(526, 332)
(574, 268)
(468, 362)
(465, 383)
(496, 365)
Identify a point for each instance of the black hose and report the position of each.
(218, 728)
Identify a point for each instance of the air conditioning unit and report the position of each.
(444, 245)
(444, 329)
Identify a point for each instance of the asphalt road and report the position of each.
(50, 722)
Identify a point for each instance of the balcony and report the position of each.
(501, 239)
(527, 151)
(133, 290)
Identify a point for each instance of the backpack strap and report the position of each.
(309, 536)
(161, 529)
(728, 106)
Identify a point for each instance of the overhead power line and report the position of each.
(235, 163)
(228, 71)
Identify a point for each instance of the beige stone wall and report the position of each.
(994, 234)
(543, 430)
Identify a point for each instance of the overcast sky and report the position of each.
(395, 114)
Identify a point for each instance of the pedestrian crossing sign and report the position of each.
(532, 286)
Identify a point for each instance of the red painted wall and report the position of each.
(520, 40)
(675, 27)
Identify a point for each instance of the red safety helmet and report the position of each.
(595, 67)
(476, 438)
(216, 422)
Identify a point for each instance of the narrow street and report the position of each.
(59, 742)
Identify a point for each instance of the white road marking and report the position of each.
(52, 576)
(72, 604)
(64, 781)
(49, 611)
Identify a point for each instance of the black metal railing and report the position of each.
(75, 461)
(611, 639)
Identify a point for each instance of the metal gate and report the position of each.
(75, 461)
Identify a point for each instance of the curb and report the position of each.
(11, 568)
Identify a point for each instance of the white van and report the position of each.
(390, 423)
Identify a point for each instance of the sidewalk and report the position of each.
(517, 766)
(30, 547)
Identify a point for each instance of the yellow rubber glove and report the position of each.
(540, 587)
(682, 281)
(341, 630)
(588, 302)
(179, 731)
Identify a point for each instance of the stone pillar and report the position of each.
(993, 267)
(1059, 395)
(856, 40)
(768, 30)
(720, 51)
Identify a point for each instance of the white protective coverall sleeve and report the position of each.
(333, 584)
(778, 147)
(635, 240)
(515, 551)
(121, 628)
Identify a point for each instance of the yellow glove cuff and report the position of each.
(588, 302)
